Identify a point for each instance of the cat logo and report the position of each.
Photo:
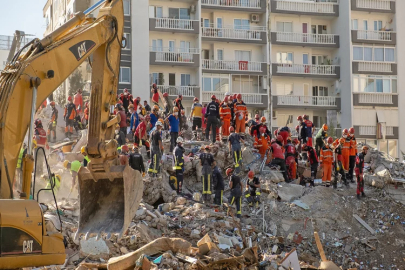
(27, 246)
(82, 48)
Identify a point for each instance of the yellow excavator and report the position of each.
(109, 193)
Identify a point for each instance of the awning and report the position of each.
(381, 116)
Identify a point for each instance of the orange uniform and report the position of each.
(262, 144)
(346, 154)
(326, 158)
(225, 114)
(240, 112)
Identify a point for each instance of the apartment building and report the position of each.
(5, 47)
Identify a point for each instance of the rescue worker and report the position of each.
(241, 115)
(285, 132)
(41, 141)
(126, 99)
(69, 116)
(54, 184)
(346, 152)
(290, 159)
(257, 119)
(124, 156)
(278, 156)
(309, 128)
(86, 114)
(312, 160)
(137, 103)
(52, 123)
(219, 185)
(141, 134)
(326, 159)
(236, 191)
(195, 116)
(183, 120)
(154, 116)
(320, 137)
(174, 123)
(122, 117)
(338, 146)
(134, 118)
(353, 154)
(155, 94)
(179, 163)
(148, 109)
(212, 116)
(262, 143)
(235, 149)
(225, 115)
(252, 193)
(86, 160)
(119, 136)
(74, 168)
(136, 160)
(300, 130)
(359, 171)
(78, 101)
(167, 107)
(177, 103)
(156, 149)
(257, 127)
(207, 162)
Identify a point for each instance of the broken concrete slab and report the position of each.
(93, 246)
(290, 192)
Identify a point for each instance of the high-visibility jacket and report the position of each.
(75, 166)
(70, 111)
(240, 110)
(326, 154)
(20, 156)
(347, 145)
(353, 146)
(225, 112)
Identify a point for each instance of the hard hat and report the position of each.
(195, 99)
(251, 174)
(229, 171)
(161, 120)
(69, 98)
(262, 130)
(125, 148)
(296, 141)
(58, 176)
(175, 109)
(325, 127)
(306, 117)
(226, 99)
(213, 97)
(125, 90)
(280, 138)
(117, 126)
(299, 118)
(180, 140)
(263, 119)
(231, 129)
(159, 124)
(118, 106)
(131, 106)
(83, 150)
(165, 94)
(180, 97)
(183, 112)
(345, 131)
(207, 147)
(342, 141)
(351, 130)
(155, 107)
(330, 140)
(65, 163)
(38, 122)
(234, 96)
(297, 128)
(227, 94)
(52, 103)
(239, 96)
(154, 85)
(138, 98)
(257, 116)
(365, 147)
(273, 141)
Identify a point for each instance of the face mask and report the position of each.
(131, 111)
(345, 136)
(262, 134)
(117, 131)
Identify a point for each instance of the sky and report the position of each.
(24, 15)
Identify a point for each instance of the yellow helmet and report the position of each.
(65, 163)
(34, 143)
(58, 176)
(156, 107)
(83, 149)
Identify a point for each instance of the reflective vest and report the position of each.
(326, 154)
(56, 182)
(20, 156)
(240, 110)
(225, 112)
(75, 166)
(347, 144)
(353, 146)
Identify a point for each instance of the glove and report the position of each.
(143, 174)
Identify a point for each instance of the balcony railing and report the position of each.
(186, 91)
(374, 4)
(233, 3)
(306, 38)
(168, 23)
(375, 67)
(374, 35)
(306, 101)
(306, 6)
(372, 130)
(232, 33)
(232, 65)
(377, 98)
(179, 55)
(248, 98)
(306, 69)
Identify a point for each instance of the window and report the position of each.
(125, 75)
(284, 89)
(318, 29)
(357, 53)
(305, 58)
(216, 83)
(374, 84)
(220, 54)
(207, 84)
(241, 24)
(185, 46)
(206, 23)
(285, 57)
(319, 91)
(377, 25)
(159, 12)
(156, 78)
(379, 54)
(157, 45)
(171, 46)
(127, 7)
(355, 24)
(242, 55)
(185, 79)
(284, 27)
(179, 13)
(319, 60)
(127, 42)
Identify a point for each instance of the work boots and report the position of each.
(363, 195)
(358, 196)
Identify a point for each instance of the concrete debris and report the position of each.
(289, 192)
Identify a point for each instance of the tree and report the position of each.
(75, 82)
(60, 96)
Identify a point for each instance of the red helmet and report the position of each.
(263, 119)
(345, 131)
(306, 117)
(251, 174)
(257, 116)
(273, 141)
(125, 148)
(297, 128)
(52, 103)
(275, 133)
(147, 117)
(304, 146)
(125, 90)
(231, 129)
(280, 138)
(207, 147)
(69, 98)
(217, 101)
(351, 130)
(180, 97)
(154, 85)
(195, 99)
(239, 96)
(299, 118)
(138, 98)
(296, 141)
(165, 94)
(213, 97)
(226, 99)
(229, 171)
(262, 130)
(38, 122)
(234, 96)
(330, 140)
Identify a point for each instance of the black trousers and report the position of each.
(352, 163)
(238, 201)
(179, 176)
(173, 139)
(197, 123)
(219, 193)
(207, 179)
(338, 164)
(211, 123)
(281, 162)
(318, 145)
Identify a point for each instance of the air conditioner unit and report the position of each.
(254, 18)
(192, 9)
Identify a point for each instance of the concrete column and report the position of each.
(399, 22)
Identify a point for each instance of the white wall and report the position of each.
(297, 22)
(299, 51)
(166, 37)
(228, 17)
(170, 4)
(298, 85)
(194, 80)
(388, 20)
(256, 52)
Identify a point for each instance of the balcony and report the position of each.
(174, 25)
(374, 37)
(252, 99)
(253, 6)
(174, 57)
(326, 103)
(234, 67)
(375, 99)
(305, 39)
(371, 132)
(383, 6)
(308, 71)
(308, 7)
(230, 34)
(374, 68)
(188, 92)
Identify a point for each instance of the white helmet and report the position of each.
(180, 140)
(158, 123)
(227, 94)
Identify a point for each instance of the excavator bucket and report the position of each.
(108, 206)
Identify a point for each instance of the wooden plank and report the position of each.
(320, 248)
(362, 222)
